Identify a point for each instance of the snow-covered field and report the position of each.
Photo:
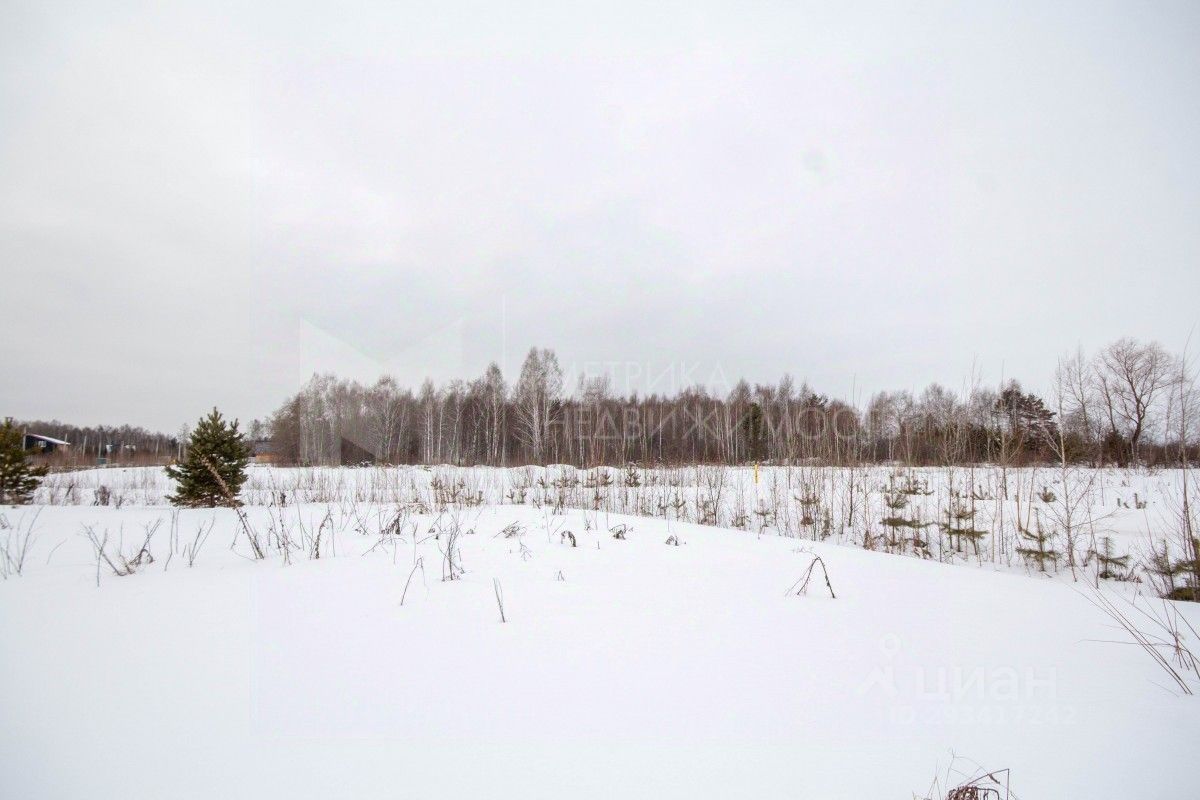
(344, 664)
(1077, 509)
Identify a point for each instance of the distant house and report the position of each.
(263, 451)
(43, 444)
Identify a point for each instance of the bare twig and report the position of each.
(499, 598)
(418, 564)
(802, 583)
(1160, 635)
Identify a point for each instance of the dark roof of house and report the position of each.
(47, 439)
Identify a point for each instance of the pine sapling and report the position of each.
(1189, 568)
(959, 526)
(1162, 569)
(1111, 566)
(18, 478)
(214, 469)
(1041, 543)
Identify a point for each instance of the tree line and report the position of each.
(125, 444)
(1128, 403)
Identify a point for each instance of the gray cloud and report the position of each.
(203, 204)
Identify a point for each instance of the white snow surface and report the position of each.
(626, 668)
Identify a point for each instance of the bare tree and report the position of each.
(1075, 385)
(387, 416)
(1184, 410)
(1132, 376)
(535, 399)
(1069, 509)
(496, 394)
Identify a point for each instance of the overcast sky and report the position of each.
(204, 205)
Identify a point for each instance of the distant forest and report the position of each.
(1129, 403)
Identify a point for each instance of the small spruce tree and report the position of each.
(18, 478)
(214, 469)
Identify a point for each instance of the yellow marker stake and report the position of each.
(756, 472)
